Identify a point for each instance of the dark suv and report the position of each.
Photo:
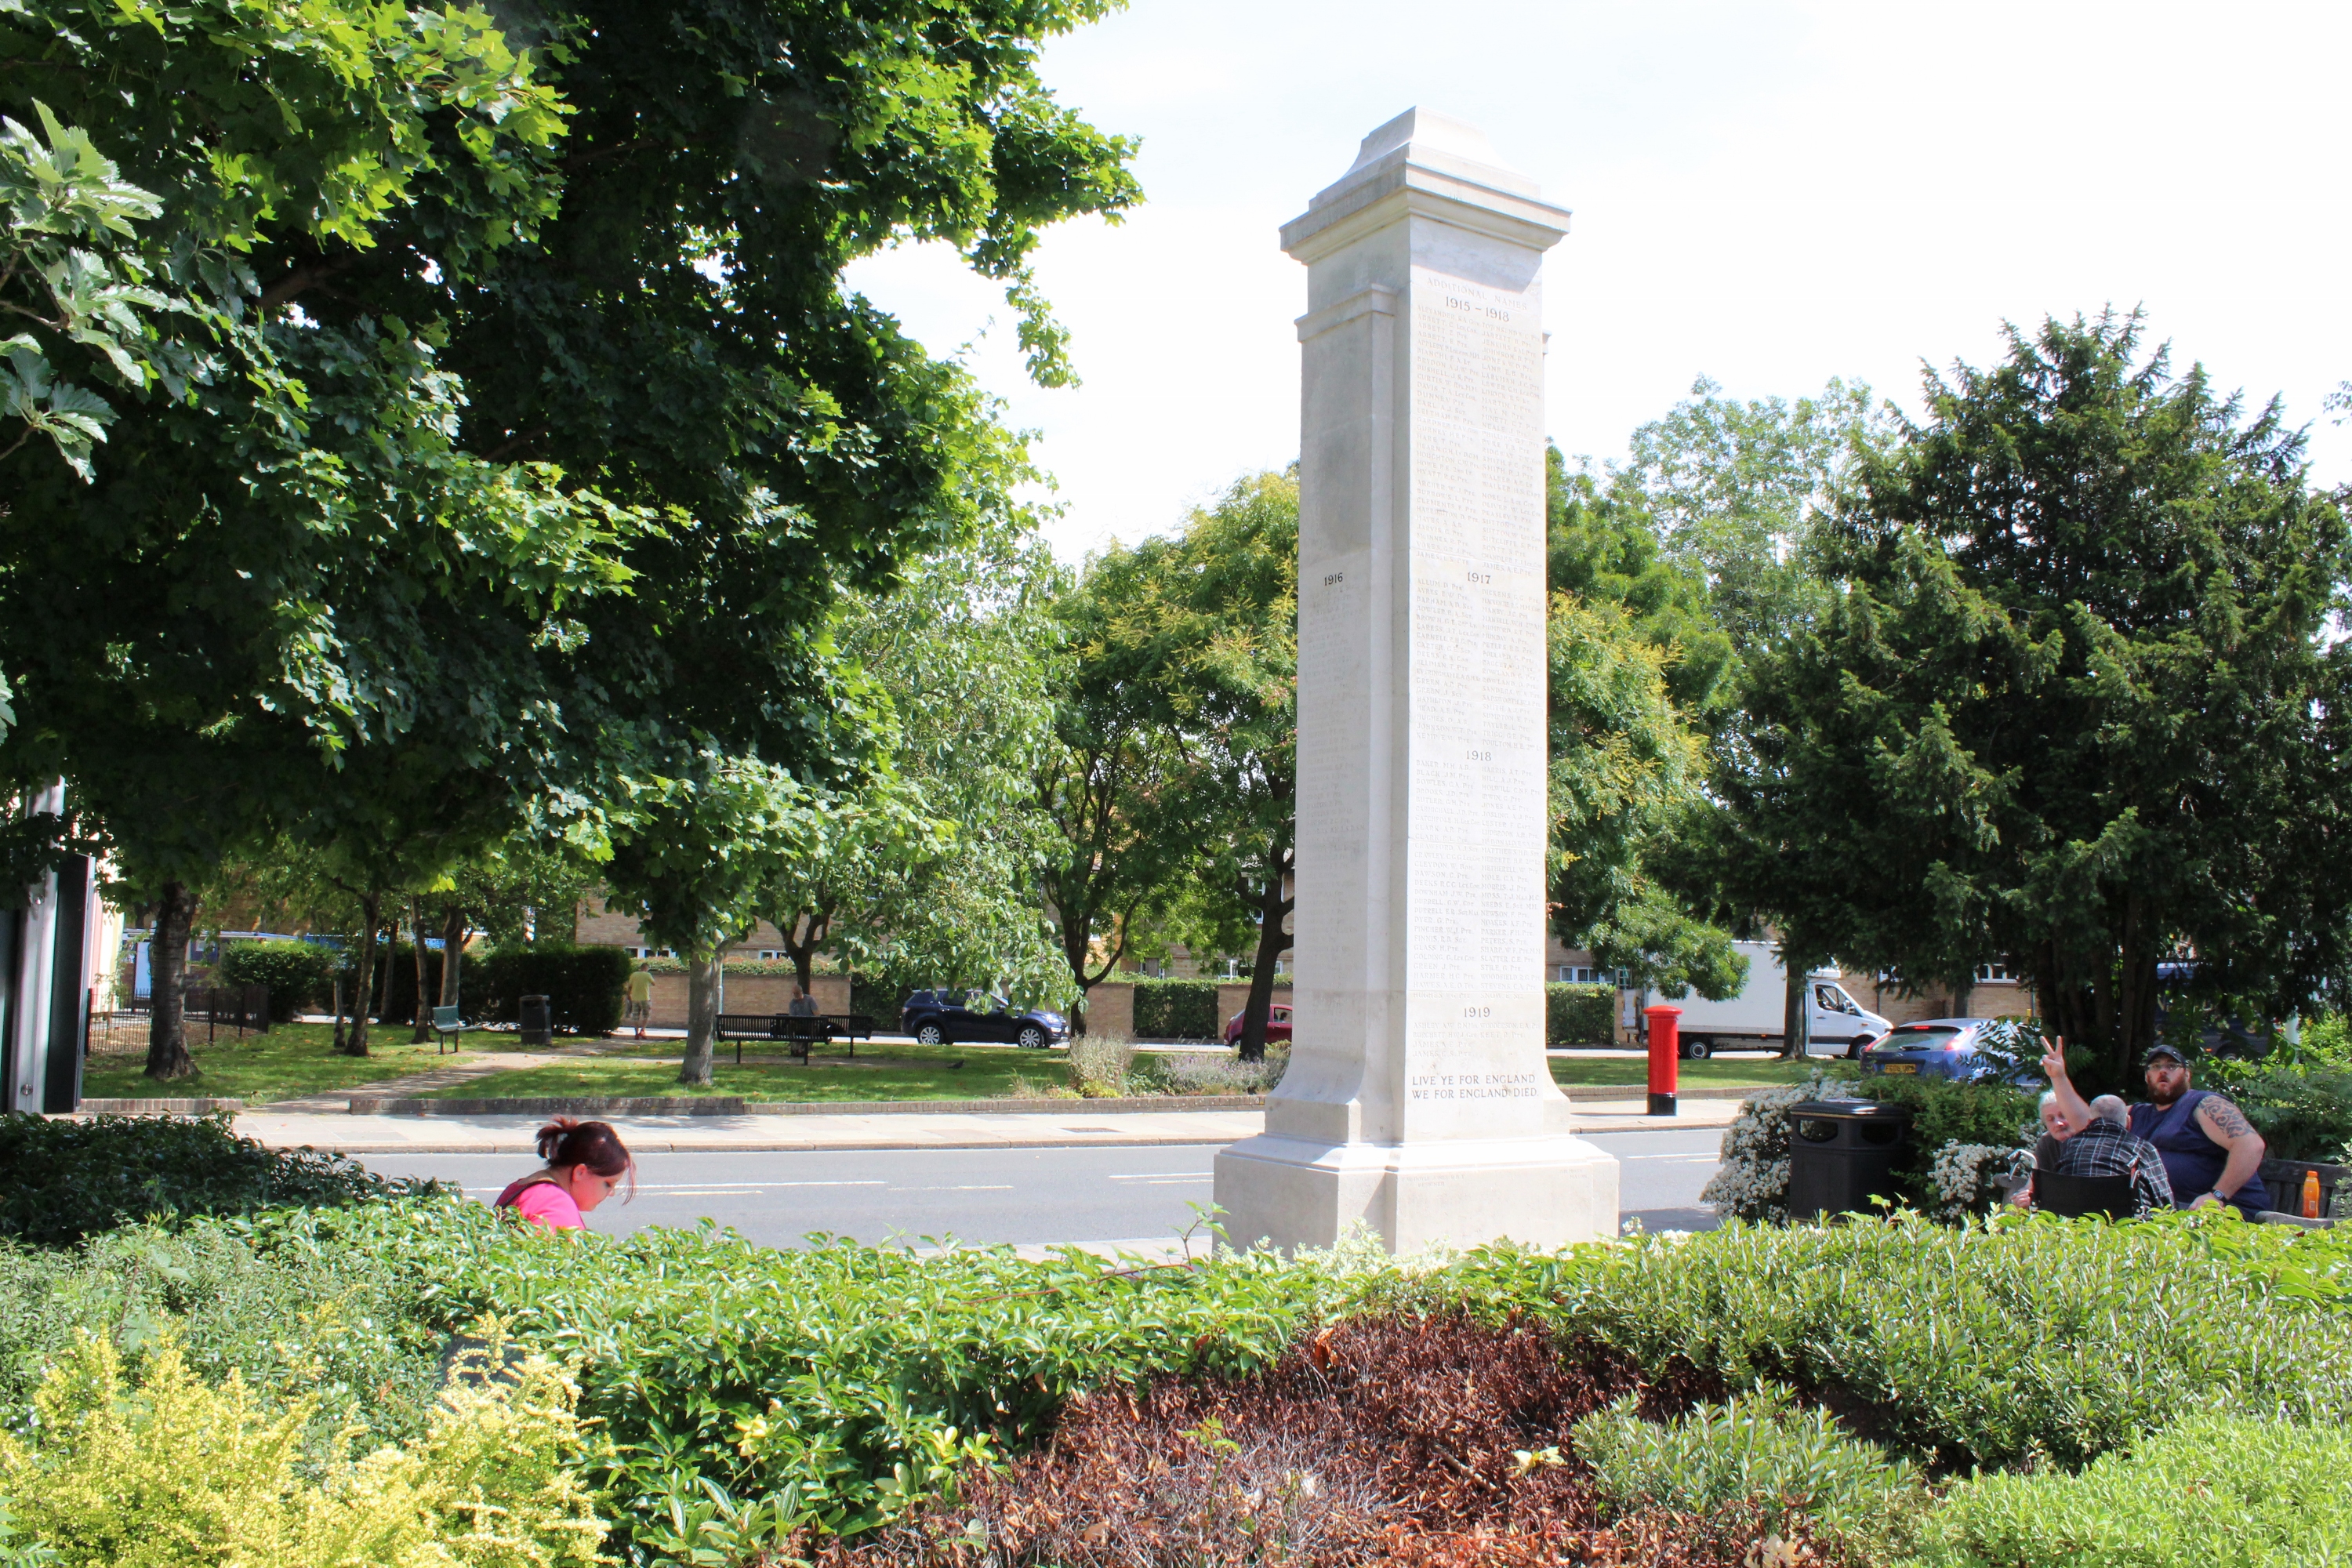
(948, 1017)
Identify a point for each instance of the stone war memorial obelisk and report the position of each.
(1417, 1100)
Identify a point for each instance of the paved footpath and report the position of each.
(284, 1128)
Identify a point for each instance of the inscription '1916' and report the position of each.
(1332, 577)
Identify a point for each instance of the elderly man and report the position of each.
(2099, 1144)
(2212, 1154)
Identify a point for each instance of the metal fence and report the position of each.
(243, 1008)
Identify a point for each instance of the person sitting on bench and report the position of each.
(803, 1005)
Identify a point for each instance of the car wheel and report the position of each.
(1697, 1051)
(1033, 1038)
(930, 1035)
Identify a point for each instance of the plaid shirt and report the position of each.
(2104, 1149)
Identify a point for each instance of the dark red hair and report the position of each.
(595, 1145)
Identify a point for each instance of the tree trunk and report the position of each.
(702, 972)
(355, 1043)
(1795, 1044)
(167, 969)
(424, 1008)
(453, 953)
(1272, 908)
(802, 939)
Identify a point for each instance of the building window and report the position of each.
(1995, 975)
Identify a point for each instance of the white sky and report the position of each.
(1770, 193)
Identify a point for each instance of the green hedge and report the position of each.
(61, 1181)
(297, 973)
(1580, 1014)
(1177, 1010)
(585, 986)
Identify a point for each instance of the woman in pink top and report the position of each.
(585, 1161)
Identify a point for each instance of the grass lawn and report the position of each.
(1736, 1072)
(290, 1060)
(878, 1071)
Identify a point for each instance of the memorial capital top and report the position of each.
(1430, 163)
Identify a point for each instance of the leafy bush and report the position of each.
(1177, 1010)
(1752, 1180)
(583, 985)
(1100, 1064)
(61, 1181)
(2039, 1338)
(1198, 1073)
(2211, 1489)
(837, 1384)
(296, 973)
(160, 1470)
(1856, 1496)
(265, 1299)
(1580, 1014)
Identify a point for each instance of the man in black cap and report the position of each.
(2211, 1152)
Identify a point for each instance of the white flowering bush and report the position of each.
(1753, 1183)
(1967, 1177)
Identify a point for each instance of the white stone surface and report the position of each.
(1418, 1099)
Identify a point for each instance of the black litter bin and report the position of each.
(1842, 1154)
(538, 1022)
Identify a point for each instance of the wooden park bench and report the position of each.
(446, 1028)
(2285, 1180)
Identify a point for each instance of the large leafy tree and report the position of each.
(930, 873)
(608, 434)
(1205, 625)
(2078, 705)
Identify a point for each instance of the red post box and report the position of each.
(1665, 1056)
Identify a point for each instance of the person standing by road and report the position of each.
(2212, 1155)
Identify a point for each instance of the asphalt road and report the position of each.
(991, 1195)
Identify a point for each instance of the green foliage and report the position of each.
(297, 973)
(2074, 705)
(1177, 1009)
(1580, 1014)
(1857, 1497)
(584, 986)
(297, 1318)
(61, 1181)
(2302, 1115)
(2041, 1340)
(833, 1385)
(158, 1469)
(2212, 1490)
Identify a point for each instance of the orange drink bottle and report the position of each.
(2311, 1194)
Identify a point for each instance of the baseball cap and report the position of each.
(2160, 1049)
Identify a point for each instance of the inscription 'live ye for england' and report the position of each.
(1474, 1086)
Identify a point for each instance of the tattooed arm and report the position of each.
(2227, 1125)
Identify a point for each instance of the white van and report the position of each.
(1754, 1016)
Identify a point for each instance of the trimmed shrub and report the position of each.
(159, 1470)
(583, 985)
(2039, 1339)
(297, 973)
(1192, 1072)
(1580, 1014)
(1177, 1010)
(2213, 1489)
(1856, 1496)
(61, 1181)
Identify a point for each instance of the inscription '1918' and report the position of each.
(1494, 312)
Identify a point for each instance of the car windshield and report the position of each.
(1934, 1038)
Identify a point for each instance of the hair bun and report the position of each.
(551, 1137)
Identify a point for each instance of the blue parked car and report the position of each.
(942, 1017)
(1936, 1047)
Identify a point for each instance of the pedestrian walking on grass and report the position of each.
(585, 1161)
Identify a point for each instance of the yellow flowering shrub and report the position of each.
(165, 1470)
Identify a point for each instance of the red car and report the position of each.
(1278, 1025)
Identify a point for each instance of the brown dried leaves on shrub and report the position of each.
(1435, 1443)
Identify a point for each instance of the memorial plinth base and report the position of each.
(1300, 1192)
